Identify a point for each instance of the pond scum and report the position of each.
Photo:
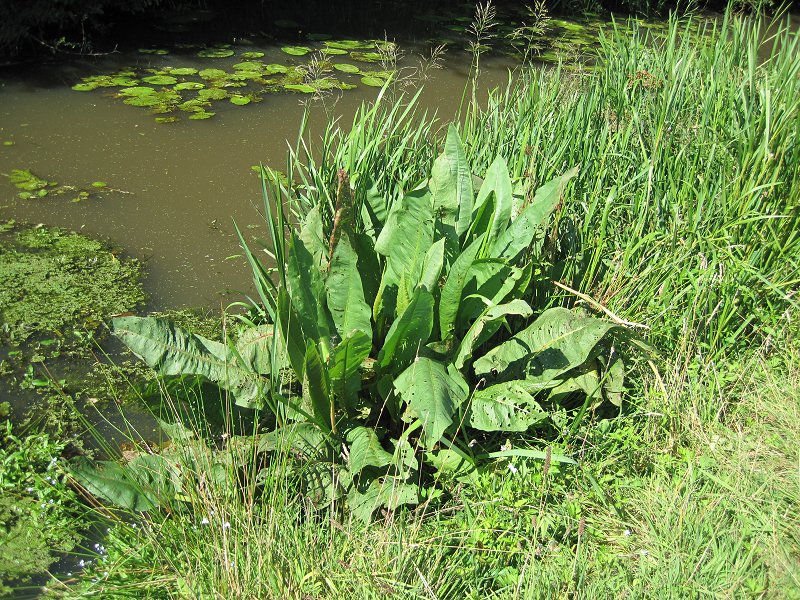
(422, 434)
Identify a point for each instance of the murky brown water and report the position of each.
(188, 180)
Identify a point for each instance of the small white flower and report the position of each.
(29, 490)
(204, 521)
(627, 533)
(226, 525)
(643, 552)
(512, 468)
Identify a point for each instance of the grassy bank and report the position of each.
(682, 218)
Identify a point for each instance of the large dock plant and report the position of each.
(398, 338)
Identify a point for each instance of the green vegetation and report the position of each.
(38, 511)
(443, 390)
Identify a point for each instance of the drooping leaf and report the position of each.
(506, 406)
(344, 291)
(523, 230)
(366, 450)
(171, 350)
(312, 236)
(485, 326)
(433, 394)
(391, 492)
(409, 332)
(451, 183)
(557, 341)
(254, 347)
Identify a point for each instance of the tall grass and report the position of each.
(685, 211)
(684, 217)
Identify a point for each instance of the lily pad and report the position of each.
(137, 91)
(160, 80)
(296, 50)
(346, 68)
(212, 74)
(166, 119)
(369, 57)
(249, 55)
(200, 116)
(99, 184)
(149, 100)
(183, 71)
(158, 51)
(30, 185)
(271, 69)
(248, 66)
(349, 44)
(212, 94)
(216, 53)
(195, 105)
(300, 87)
(239, 100)
(84, 87)
(333, 51)
(8, 143)
(189, 85)
(373, 81)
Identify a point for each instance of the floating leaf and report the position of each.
(249, 55)
(189, 85)
(211, 94)
(348, 44)
(239, 100)
(158, 51)
(99, 184)
(248, 66)
(273, 68)
(296, 50)
(160, 80)
(300, 87)
(8, 143)
(216, 53)
(137, 91)
(369, 57)
(199, 116)
(84, 87)
(183, 71)
(166, 119)
(212, 74)
(373, 81)
(146, 100)
(346, 68)
(333, 51)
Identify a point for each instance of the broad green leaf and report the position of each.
(317, 387)
(451, 183)
(291, 333)
(171, 350)
(313, 238)
(455, 463)
(496, 195)
(614, 380)
(454, 286)
(520, 235)
(485, 326)
(255, 346)
(345, 295)
(142, 484)
(433, 394)
(489, 282)
(391, 492)
(344, 370)
(405, 240)
(557, 341)
(368, 266)
(375, 209)
(305, 439)
(322, 482)
(307, 291)
(409, 332)
(432, 266)
(366, 450)
(506, 406)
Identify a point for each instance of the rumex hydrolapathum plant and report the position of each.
(406, 330)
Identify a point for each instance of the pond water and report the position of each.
(185, 182)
